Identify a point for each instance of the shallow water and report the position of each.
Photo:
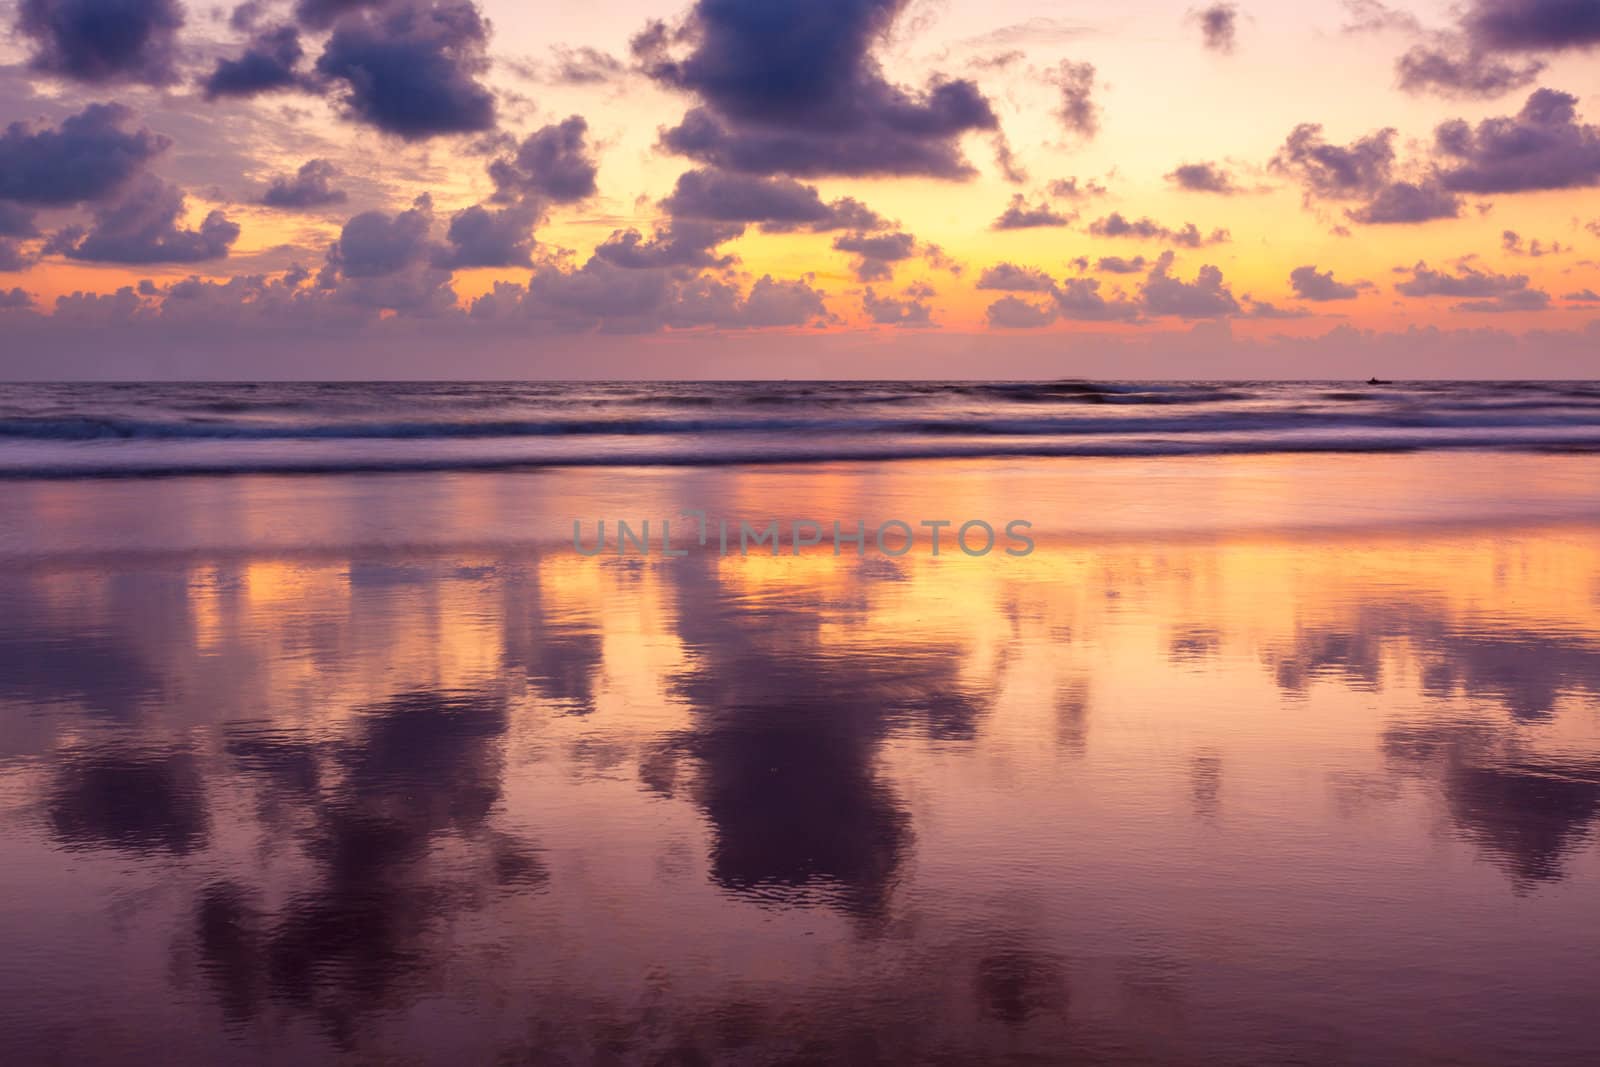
(1253, 760)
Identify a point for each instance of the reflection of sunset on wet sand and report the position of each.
(1262, 787)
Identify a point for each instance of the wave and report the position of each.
(195, 463)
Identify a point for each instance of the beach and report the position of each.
(1254, 758)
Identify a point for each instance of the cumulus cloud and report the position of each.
(1310, 284)
(1543, 146)
(1363, 169)
(786, 89)
(1479, 290)
(1081, 299)
(101, 43)
(375, 243)
(1205, 178)
(411, 68)
(1015, 313)
(1219, 26)
(1009, 277)
(88, 157)
(1208, 296)
(1521, 300)
(1447, 67)
(778, 204)
(484, 237)
(585, 66)
(309, 187)
(552, 163)
(876, 253)
(1147, 229)
(1020, 215)
(1120, 265)
(680, 243)
(144, 225)
(600, 296)
(269, 64)
(1408, 202)
(1073, 189)
(382, 261)
(1078, 111)
(1512, 242)
(913, 310)
(1333, 171)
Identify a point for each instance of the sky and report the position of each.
(765, 188)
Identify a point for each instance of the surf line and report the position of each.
(892, 537)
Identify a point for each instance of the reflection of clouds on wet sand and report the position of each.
(818, 809)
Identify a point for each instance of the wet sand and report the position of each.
(1253, 759)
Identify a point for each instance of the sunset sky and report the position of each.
(930, 188)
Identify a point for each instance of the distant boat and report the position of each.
(1378, 381)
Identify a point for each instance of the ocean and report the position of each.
(103, 429)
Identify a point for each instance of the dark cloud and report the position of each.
(383, 261)
(18, 299)
(411, 69)
(321, 14)
(1204, 178)
(1219, 26)
(1364, 169)
(681, 243)
(144, 226)
(1450, 69)
(789, 88)
(552, 163)
(269, 64)
(1008, 277)
(1119, 265)
(1336, 172)
(778, 204)
(1533, 25)
(1310, 284)
(88, 157)
(102, 42)
(1207, 296)
(876, 253)
(16, 221)
(1020, 215)
(13, 257)
(374, 243)
(1543, 146)
(485, 237)
(1188, 236)
(311, 186)
(1078, 112)
(1408, 202)
(888, 311)
(1583, 296)
(1014, 313)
